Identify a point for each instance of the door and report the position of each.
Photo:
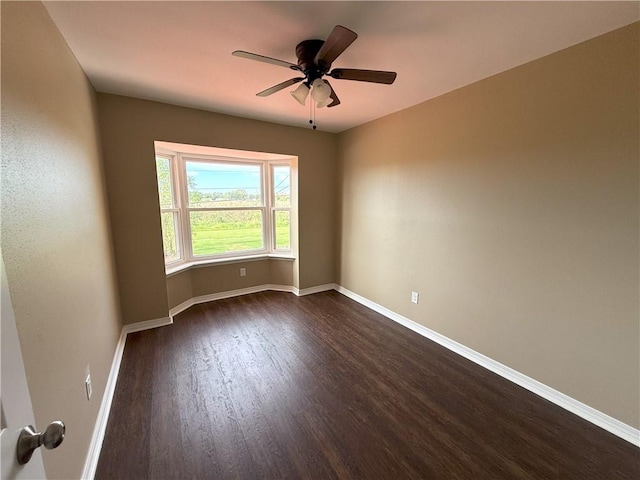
(15, 402)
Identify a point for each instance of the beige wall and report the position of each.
(55, 231)
(130, 126)
(512, 207)
(179, 288)
(201, 281)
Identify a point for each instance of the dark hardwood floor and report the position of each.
(270, 386)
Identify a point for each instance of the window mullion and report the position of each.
(185, 221)
(175, 190)
(268, 202)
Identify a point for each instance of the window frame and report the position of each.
(182, 210)
(274, 208)
(175, 210)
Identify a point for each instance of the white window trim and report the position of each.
(181, 208)
(273, 208)
(170, 156)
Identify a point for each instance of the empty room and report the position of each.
(314, 240)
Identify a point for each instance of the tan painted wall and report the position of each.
(129, 127)
(512, 207)
(201, 281)
(55, 231)
(280, 273)
(226, 277)
(179, 288)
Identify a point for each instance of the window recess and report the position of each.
(214, 207)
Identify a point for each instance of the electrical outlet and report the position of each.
(414, 297)
(243, 272)
(87, 386)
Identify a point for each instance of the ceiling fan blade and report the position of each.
(337, 42)
(334, 97)
(280, 86)
(262, 58)
(373, 76)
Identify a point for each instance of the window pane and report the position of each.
(169, 242)
(165, 192)
(226, 231)
(283, 229)
(215, 185)
(282, 185)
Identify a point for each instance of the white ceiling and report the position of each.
(180, 52)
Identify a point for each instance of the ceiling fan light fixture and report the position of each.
(321, 91)
(301, 93)
(328, 101)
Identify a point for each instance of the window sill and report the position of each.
(174, 269)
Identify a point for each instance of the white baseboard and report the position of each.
(612, 425)
(147, 325)
(91, 462)
(317, 289)
(245, 291)
(228, 294)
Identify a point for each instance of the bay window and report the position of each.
(215, 207)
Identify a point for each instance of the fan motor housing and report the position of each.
(306, 52)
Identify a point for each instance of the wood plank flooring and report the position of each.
(270, 386)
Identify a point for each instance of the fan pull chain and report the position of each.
(312, 114)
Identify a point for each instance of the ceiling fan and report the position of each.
(314, 62)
